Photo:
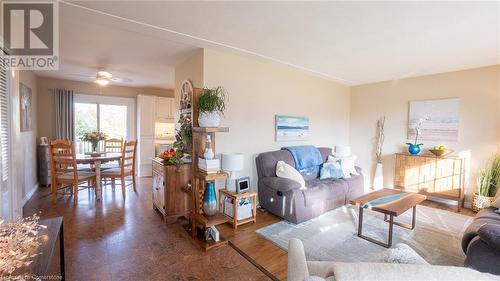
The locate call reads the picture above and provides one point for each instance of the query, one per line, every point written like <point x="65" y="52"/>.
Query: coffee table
<point x="391" y="203"/>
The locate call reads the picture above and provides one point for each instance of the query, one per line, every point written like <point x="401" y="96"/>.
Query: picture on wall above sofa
<point x="441" y="119"/>
<point x="292" y="128"/>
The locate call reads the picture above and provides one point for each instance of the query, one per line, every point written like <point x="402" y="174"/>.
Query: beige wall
<point x="27" y="164"/>
<point x="479" y="133"/>
<point x="191" y="69"/>
<point x="46" y="102"/>
<point x="257" y="91"/>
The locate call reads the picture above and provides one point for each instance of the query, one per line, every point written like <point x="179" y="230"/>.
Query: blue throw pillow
<point x="331" y="170"/>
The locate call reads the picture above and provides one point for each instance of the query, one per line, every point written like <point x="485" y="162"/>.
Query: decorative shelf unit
<point x="198" y="218"/>
<point x="427" y="174"/>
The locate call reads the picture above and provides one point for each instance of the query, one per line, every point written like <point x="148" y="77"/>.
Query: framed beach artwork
<point x="26" y="107"/>
<point x="440" y="119"/>
<point x="291" y="128"/>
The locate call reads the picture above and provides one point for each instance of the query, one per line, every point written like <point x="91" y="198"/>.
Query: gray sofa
<point x="481" y="242"/>
<point x="284" y="198"/>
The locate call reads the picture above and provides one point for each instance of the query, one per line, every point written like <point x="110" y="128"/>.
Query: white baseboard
<point x="30" y="194"/>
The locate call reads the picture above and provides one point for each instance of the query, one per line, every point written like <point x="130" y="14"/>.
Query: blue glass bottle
<point x="209" y="199"/>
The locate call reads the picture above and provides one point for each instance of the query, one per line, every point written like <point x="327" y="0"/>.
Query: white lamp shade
<point x="342" y="150"/>
<point x="232" y="162"/>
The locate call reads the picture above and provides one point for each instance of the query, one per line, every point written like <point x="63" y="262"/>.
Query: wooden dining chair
<point x="65" y="173"/>
<point x="126" y="168"/>
<point x="113" y="145"/>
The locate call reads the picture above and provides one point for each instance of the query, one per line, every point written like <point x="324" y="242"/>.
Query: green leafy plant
<point x="213" y="100"/>
<point x="489" y="178"/>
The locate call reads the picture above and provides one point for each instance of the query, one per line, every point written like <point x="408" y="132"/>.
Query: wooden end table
<point x="391" y="203"/>
<point x="237" y="197"/>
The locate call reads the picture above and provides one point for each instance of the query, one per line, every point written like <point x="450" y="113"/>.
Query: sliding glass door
<point x="112" y="115"/>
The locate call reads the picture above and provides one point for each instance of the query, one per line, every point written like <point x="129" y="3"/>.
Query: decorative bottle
<point x="209" y="200"/>
<point x="209" y="153"/>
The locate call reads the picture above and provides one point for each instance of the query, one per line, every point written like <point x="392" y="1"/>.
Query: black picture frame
<point x="242" y="184"/>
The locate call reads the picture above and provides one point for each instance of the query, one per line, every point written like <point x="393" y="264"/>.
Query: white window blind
<point x="4" y="120"/>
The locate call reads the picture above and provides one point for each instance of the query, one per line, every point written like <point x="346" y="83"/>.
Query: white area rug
<point x="333" y="235"/>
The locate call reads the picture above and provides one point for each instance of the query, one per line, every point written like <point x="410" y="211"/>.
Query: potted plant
<point x="211" y="105"/>
<point x="414" y="148"/>
<point x="488" y="182"/>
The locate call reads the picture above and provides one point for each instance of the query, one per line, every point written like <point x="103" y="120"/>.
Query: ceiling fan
<point x="103" y="78"/>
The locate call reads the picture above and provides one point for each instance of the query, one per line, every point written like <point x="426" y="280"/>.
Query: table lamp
<point x="232" y="163"/>
<point x="342" y="150"/>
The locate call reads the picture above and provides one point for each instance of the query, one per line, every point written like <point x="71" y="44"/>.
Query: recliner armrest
<point x="490" y="234"/>
<point x="280" y="184"/>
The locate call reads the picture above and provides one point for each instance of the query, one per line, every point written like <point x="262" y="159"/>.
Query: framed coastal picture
<point x="26" y="107"/>
<point x="440" y="119"/>
<point x="292" y="128"/>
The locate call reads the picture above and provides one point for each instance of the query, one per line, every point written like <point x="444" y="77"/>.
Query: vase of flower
<point x="209" y="200"/>
<point x="94" y="138"/>
<point x="414" y="148"/>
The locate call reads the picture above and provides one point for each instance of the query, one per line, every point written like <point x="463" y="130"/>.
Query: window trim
<point x="112" y="100"/>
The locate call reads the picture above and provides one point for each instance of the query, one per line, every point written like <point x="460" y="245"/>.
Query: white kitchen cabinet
<point x="164" y="109"/>
<point x="145" y="133"/>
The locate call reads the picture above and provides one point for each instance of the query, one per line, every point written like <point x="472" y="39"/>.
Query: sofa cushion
<point x="283" y="170"/>
<point x="281" y="184"/>
<point x="330" y="170"/>
<point x="347" y="164"/>
<point x="268" y="161"/>
<point x="322" y="190"/>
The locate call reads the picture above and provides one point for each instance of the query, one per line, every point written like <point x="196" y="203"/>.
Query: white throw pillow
<point x="283" y="170"/>
<point x="347" y="164"/>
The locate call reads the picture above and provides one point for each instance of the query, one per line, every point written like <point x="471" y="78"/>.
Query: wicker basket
<point x="480" y="202"/>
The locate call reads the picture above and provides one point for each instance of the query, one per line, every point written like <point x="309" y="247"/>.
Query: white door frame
<point x="113" y="100"/>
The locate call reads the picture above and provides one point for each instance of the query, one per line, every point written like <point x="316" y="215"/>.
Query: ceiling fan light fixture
<point x="104" y="74"/>
<point x="102" y="82"/>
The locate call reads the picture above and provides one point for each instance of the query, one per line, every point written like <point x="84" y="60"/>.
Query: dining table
<point x="95" y="160"/>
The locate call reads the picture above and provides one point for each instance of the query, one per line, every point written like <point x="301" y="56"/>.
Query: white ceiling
<point x="352" y="42"/>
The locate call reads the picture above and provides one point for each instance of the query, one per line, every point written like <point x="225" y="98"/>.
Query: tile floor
<point x="125" y="239"/>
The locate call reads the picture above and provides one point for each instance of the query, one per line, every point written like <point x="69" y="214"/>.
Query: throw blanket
<point x="307" y="158"/>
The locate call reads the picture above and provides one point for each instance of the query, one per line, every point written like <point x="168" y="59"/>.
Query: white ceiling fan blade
<point x="82" y="76"/>
<point x="121" y="80"/>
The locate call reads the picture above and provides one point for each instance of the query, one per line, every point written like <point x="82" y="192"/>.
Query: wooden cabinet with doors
<point x="441" y="177"/>
<point x="171" y="190"/>
<point x="164" y="109"/>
